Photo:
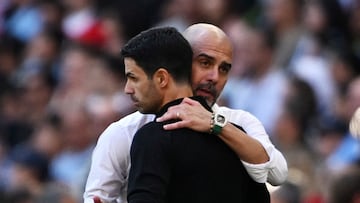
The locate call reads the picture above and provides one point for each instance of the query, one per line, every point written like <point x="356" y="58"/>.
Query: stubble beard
<point x="209" y="89"/>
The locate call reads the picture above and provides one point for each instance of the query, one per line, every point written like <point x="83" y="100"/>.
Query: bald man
<point x="182" y="165"/>
<point x="211" y="65"/>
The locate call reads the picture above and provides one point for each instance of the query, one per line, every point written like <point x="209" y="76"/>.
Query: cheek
<point x="147" y="91"/>
<point x="197" y="76"/>
<point x="141" y="87"/>
<point x="221" y="83"/>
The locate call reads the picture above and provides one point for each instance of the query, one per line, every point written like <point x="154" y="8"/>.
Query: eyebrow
<point x="223" y="63"/>
<point x="128" y="74"/>
<point x="206" y="56"/>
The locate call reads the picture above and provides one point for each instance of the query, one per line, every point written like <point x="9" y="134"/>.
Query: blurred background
<point x="296" y="68"/>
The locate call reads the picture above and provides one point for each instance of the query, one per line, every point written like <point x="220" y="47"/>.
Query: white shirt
<point x="110" y="166"/>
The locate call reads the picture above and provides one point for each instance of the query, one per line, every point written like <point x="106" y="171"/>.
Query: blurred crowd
<point x="296" y="67"/>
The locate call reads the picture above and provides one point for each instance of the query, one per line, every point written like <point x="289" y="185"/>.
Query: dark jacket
<point x="185" y="166"/>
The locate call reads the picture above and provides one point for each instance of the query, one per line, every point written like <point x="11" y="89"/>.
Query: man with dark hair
<point x="180" y="165"/>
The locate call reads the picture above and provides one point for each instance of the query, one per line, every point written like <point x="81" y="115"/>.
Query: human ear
<point x="161" y="77"/>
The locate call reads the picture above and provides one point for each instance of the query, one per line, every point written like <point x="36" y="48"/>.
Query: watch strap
<point x="216" y="130"/>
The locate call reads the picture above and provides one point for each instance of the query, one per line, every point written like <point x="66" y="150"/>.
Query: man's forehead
<point x="210" y="40"/>
<point x="206" y="36"/>
<point x="131" y="66"/>
<point x="211" y="51"/>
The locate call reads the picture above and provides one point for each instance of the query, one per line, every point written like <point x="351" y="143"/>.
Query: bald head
<point x="212" y="60"/>
<point x="203" y="34"/>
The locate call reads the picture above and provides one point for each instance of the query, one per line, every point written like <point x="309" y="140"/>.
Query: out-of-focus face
<point x="142" y="90"/>
<point x="213" y="10"/>
<point x="278" y="12"/>
<point x="314" y="18"/>
<point x="210" y="68"/>
<point x="239" y="33"/>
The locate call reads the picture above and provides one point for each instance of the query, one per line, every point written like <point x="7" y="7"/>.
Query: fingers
<point x="172" y="126"/>
<point x="169" y="115"/>
<point x="174" y="112"/>
<point x="190" y="101"/>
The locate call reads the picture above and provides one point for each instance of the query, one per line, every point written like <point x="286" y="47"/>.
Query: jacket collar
<point x="164" y="109"/>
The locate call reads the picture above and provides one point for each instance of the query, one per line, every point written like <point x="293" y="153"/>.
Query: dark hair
<point x="345" y="186"/>
<point x="161" y="48"/>
<point x="32" y="159"/>
<point x="302" y="104"/>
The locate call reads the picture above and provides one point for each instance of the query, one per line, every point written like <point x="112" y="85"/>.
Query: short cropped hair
<point x="162" y="47"/>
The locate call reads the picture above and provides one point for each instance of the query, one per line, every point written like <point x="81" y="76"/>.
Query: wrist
<point x="217" y="123"/>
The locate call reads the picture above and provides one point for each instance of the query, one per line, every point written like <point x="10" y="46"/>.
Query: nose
<point x="213" y="75"/>
<point x="128" y="89"/>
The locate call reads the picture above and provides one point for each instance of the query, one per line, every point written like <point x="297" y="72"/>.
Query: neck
<point x="176" y="92"/>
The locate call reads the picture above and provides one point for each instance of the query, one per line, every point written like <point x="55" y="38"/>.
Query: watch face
<point x="220" y="119"/>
